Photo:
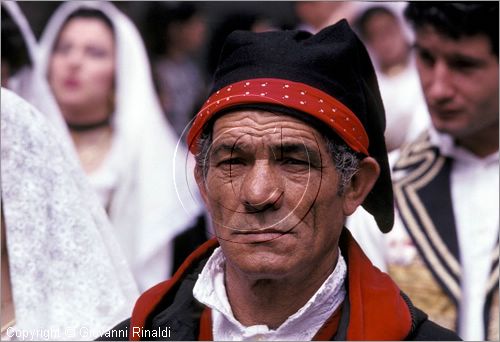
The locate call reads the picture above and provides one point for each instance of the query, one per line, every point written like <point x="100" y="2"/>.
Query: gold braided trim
<point x="425" y="292"/>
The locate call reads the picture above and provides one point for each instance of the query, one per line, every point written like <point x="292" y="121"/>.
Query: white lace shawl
<point x="156" y="197"/>
<point x="67" y="269"/>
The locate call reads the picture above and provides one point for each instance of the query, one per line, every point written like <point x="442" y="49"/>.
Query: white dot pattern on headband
<point x="299" y="96"/>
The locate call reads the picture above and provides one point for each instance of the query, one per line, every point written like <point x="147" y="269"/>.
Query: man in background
<point x="443" y="251"/>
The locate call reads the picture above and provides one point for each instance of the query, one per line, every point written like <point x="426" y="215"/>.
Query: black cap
<point x="333" y="61"/>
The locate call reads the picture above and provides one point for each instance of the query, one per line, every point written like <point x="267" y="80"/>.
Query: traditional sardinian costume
<point x="326" y="79"/>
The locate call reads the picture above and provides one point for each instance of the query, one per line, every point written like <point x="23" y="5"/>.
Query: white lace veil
<point x="67" y="270"/>
<point x="156" y="197"/>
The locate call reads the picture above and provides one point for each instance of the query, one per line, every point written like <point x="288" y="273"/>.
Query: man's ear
<point x="360" y="185"/>
<point x="200" y="180"/>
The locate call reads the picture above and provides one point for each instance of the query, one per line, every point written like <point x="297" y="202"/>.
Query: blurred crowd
<point x="182" y="41"/>
<point x="117" y="95"/>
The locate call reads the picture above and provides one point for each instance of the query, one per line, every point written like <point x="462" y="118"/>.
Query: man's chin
<point x="258" y="267"/>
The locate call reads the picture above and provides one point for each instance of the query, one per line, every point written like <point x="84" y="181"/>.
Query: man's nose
<point x="262" y="188"/>
<point x="440" y="87"/>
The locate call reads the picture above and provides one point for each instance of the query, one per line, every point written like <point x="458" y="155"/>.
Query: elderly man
<point x="288" y="144"/>
<point x="444" y="249"/>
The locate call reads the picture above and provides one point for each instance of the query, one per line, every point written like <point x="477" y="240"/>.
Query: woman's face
<point x="82" y="65"/>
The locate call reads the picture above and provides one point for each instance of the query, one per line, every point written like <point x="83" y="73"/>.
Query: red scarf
<point x="377" y="310"/>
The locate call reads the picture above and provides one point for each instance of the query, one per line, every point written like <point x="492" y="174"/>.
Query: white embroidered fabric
<point x="155" y="197"/>
<point x="301" y="326"/>
<point x="67" y="270"/>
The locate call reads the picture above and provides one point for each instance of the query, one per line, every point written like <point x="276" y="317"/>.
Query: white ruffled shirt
<point x="301" y="326"/>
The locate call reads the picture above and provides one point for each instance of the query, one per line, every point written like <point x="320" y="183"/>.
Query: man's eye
<point x="463" y="65"/>
<point x="425" y="57"/>
<point x="230" y="161"/>
<point x="293" y="161"/>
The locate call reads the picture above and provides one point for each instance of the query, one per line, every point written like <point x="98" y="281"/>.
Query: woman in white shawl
<point x="63" y="273"/>
<point x="131" y="155"/>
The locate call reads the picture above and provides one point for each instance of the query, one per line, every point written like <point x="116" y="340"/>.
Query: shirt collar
<point x="210" y="290"/>
<point x="447" y="147"/>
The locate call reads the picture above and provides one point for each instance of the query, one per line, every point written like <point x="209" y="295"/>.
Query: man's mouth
<point x="259" y="235"/>
<point x="446" y="112"/>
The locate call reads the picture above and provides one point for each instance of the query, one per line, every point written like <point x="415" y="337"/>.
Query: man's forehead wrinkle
<point x="275" y="132"/>
<point x="261" y="128"/>
<point x="251" y="131"/>
<point x="257" y="120"/>
<point x="274" y="141"/>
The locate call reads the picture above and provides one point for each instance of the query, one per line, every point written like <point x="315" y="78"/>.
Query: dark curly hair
<point x="457" y="19"/>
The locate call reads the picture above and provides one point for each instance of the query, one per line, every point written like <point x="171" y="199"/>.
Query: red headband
<point x="289" y="94"/>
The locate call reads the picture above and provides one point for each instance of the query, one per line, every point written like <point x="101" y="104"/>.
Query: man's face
<point x="460" y="82"/>
<point x="271" y="189"/>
